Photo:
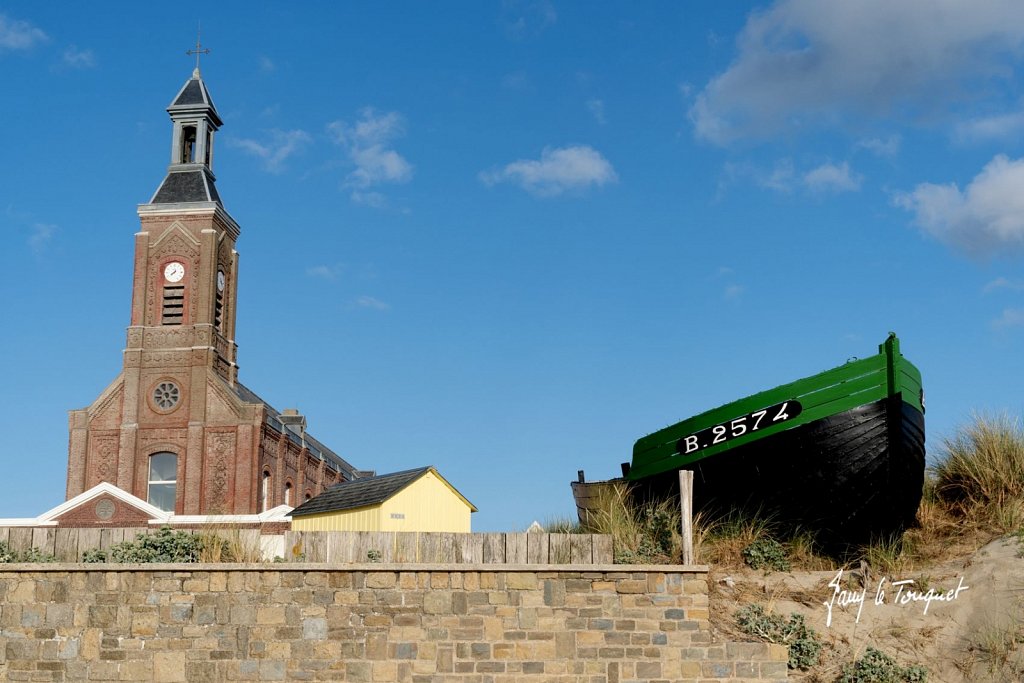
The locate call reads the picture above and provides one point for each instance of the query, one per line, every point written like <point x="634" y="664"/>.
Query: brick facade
<point x="414" y="624"/>
<point x="178" y="391"/>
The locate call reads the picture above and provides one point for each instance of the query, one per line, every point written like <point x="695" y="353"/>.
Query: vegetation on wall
<point x="30" y="555"/>
<point x="167" y="545"/>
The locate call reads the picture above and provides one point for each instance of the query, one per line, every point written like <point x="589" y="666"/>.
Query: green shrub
<point x="804" y="643"/>
<point x="878" y="667"/>
<point x="163" y="546"/>
<point x="32" y="555"/>
<point x="94" y="555"/>
<point x="766" y="553"/>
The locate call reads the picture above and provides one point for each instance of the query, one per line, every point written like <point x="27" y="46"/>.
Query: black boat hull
<point x="847" y="478"/>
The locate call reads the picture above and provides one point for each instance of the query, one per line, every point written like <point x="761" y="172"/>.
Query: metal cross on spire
<point x="198" y="51"/>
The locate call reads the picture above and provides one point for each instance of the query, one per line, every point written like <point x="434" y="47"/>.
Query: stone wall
<point x="374" y="622"/>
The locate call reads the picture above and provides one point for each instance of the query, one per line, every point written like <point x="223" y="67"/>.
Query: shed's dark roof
<point x="314" y="446"/>
<point x="186" y="186"/>
<point x="360" y="492"/>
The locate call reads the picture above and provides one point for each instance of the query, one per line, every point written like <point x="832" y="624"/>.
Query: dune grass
<point x="980" y="473"/>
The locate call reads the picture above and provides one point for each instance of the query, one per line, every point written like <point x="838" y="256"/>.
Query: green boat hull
<point x="847" y="478"/>
<point x="840" y="453"/>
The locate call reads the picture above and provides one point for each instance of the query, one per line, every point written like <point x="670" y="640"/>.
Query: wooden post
<point x="686" y="513"/>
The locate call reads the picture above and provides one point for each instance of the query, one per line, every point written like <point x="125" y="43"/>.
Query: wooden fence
<point x="448" y="548"/>
<point x="69" y="544"/>
<point x="340" y="547"/>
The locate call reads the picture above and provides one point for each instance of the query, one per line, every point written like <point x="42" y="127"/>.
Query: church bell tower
<point x="185" y="259"/>
<point x="156" y="432"/>
<point x="176" y="429"/>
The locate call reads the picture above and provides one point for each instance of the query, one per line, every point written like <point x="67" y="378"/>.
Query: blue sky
<point x="508" y="239"/>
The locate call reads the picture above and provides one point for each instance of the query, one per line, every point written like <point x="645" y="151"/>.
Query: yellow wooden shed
<point x="411" y="500"/>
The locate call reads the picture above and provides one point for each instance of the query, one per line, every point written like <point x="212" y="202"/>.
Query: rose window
<point x="166" y="395"/>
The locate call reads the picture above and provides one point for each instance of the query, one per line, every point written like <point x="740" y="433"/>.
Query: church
<point x="176" y="429"/>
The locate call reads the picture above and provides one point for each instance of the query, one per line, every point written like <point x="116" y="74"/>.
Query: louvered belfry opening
<point x="174" y="305"/>
<point x="218" y="311"/>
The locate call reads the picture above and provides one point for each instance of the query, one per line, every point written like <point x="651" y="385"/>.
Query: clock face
<point x="220" y="280"/>
<point x="174" y="271"/>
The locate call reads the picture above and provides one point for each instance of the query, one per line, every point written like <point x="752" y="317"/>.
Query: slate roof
<point x="186" y="186"/>
<point x="194" y="96"/>
<point x="360" y="492"/>
<point x="315" y="448"/>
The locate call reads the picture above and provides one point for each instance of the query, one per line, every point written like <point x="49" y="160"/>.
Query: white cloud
<point x="78" y="59"/>
<point x="1003" y="283"/>
<point x="821" y="62"/>
<point x="1011" y="317"/>
<point x="516" y="80"/>
<point x="527" y="18"/>
<point x="784" y="177"/>
<point x="596" y="108"/>
<point x="780" y="178"/>
<point x="832" y="178"/>
<point x="368" y="145"/>
<point x="373" y="199"/>
<point x="41" y="236"/>
<point x="323" y="272"/>
<point x="889" y="147"/>
<point x="19" y="35"/>
<point x="267" y="64"/>
<point x="274" y="152"/>
<point x="732" y="292"/>
<point x="558" y="170"/>
<point x="985" y="218"/>
<point x="986" y="128"/>
<point x="372" y="302"/>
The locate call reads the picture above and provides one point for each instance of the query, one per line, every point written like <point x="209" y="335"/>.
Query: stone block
<point x="169" y="667"/>
<point x="747" y="670"/>
<point x="314" y="628"/>
<point x="201" y="672"/>
<point x="521" y="581"/>
<point x="746" y="650"/>
<point x="438" y="602"/>
<point x="270" y="615"/>
<point x="272" y="670"/>
<point x="378" y="580"/>
<point x="631" y="586"/>
<point x="358" y="672"/>
<point x="384" y="671"/>
<point x="774" y="669"/>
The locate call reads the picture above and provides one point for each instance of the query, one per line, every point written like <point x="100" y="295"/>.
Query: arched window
<point x="163" y="480"/>
<point x="266" y="491"/>
<point x="287" y="493"/>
